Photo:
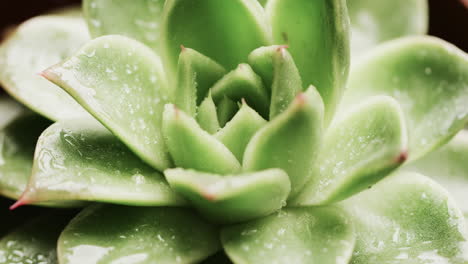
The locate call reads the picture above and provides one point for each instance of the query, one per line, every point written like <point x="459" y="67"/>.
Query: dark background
<point x="448" y="18"/>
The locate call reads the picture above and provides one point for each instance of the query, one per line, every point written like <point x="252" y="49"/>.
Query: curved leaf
<point x="81" y="160"/>
<point x="17" y="142"/>
<point x="290" y="141"/>
<point x="449" y="167"/>
<point x="137" y="19"/>
<point x="34" y="242"/>
<point x="226" y="110"/>
<point x="195" y="76"/>
<point x="191" y="147"/>
<point x="317" y="33"/>
<point x="34" y="46"/>
<point x="428" y="77"/>
<point x="100" y="235"/>
<point x="207" y="117"/>
<point x="121" y="82"/>
<point x="232" y="198"/>
<point x="236" y="134"/>
<point x="374" y="22"/>
<point x="358" y="150"/>
<point x="407" y="218"/>
<point x="293" y="235"/>
<point x="227" y="31"/>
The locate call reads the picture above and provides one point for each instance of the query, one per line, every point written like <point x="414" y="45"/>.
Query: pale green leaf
<point x="207" y="117"/>
<point x="407" y="218"/>
<point x="358" y="150"/>
<point x="122" y="83"/>
<point x="232" y="198"/>
<point x="377" y="21"/>
<point x="290" y="141"/>
<point x="226" y="110"/>
<point x="317" y="33"/>
<point x="122" y="235"/>
<point x="32" y="47"/>
<point x="428" y="77"/>
<point x="82" y="161"/>
<point x="308" y="235"/>
<point x="191" y="147"/>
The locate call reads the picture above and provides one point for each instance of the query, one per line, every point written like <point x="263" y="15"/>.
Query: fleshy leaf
<point x="226" y="31"/>
<point x="317" y="33"/>
<point x="17" y="142"/>
<point x="116" y="234"/>
<point x="406" y="218"/>
<point x="140" y="20"/>
<point x="232" y="198"/>
<point x="207" y="117"/>
<point x="290" y="141"/>
<point x="226" y="110"/>
<point x="449" y="167"/>
<point x="243" y="83"/>
<point x="308" y="235"/>
<point x="82" y="161"/>
<point x="34" y="46"/>
<point x="35" y="242"/>
<point x="358" y="150"/>
<point x="195" y="76"/>
<point x="191" y="147"/>
<point x="428" y="77"/>
<point x="122" y="83"/>
<point x="374" y="22"/>
<point x="286" y="83"/>
<point x="236" y="134"/>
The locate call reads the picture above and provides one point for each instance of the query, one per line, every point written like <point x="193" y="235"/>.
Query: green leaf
<point x="34" y="242"/>
<point x="17" y="142"/>
<point x="358" y="150"/>
<point x="195" y="76"/>
<point x="293" y="235"/>
<point x="449" y="167"/>
<point x="232" y="198"/>
<point x="34" y="46"/>
<point x="116" y="234"/>
<point x="82" y="161"/>
<point x="236" y="134"/>
<point x="191" y="147"/>
<point x="207" y="117"/>
<point x="428" y="77"/>
<point x="407" y="218"/>
<point x="122" y="83"/>
<point x="374" y="22"/>
<point x="290" y="141"/>
<point x="286" y="83"/>
<point x="261" y="60"/>
<point x="226" y="31"/>
<point x="9" y="110"/>
<point x="317" y="33"/>
<point x="243" y="83"/>
<point x="226" y="110"/>
<point x="140" y="19"/>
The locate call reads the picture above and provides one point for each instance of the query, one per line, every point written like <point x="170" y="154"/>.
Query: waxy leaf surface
<point x="226" y="31"/>
<point x="290" y="141"/>
<point x="137" y="19"/>
<point x="374" y="22"/>
<point x="448" y="166"/>
<point x="428" y="77"/>
<point x="35" y="45"/>
<point x="318" y="39"/>
<point x="407" y="218"/>
<point x="232" y="198"/>
<point x="207" y="116"/>
<point x="191" y="147"/>
<point x="358" y="150"/>
<point x="121" y="82"/>
<point x="121" y="235"/>
<point x="308" y="235"/>
<point x="81" y="160"/>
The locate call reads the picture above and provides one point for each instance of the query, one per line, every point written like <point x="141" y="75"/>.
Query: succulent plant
<point x="227" y="131"/>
